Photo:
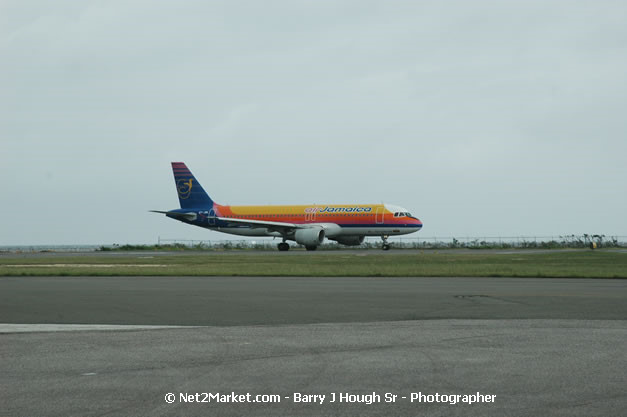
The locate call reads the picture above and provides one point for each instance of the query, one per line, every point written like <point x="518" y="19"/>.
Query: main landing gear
<point x="284" y="247"/>
<point x="386" y="245"/>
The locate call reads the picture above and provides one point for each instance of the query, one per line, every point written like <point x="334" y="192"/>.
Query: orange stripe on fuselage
<point x="315" y="213"/>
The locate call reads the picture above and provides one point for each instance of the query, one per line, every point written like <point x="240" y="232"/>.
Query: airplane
<point x="308" y="225"/>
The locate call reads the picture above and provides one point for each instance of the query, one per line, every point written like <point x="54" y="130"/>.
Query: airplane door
<point x="212" y="217"/>
<point x="310" y="214"/>
<point x="379" y="215"/>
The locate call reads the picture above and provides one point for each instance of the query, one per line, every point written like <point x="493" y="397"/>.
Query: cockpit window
<point x="402" y="214"/>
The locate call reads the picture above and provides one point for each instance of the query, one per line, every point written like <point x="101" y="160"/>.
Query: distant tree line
<point x="562" y="242"/>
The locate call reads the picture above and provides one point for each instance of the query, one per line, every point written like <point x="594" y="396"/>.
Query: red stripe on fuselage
<point x="368" y="219"/>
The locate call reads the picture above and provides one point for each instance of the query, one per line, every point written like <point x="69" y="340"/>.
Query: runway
<point x="237" y="301"/>
<point x="540" y="346"/>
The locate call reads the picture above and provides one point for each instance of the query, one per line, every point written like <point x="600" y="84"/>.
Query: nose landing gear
<point x="386" y="245"/>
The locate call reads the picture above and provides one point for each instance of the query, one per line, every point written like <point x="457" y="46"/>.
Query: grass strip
<point x="589" y="264"/>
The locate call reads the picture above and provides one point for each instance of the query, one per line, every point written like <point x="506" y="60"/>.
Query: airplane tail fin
<point x="190" y="192"/>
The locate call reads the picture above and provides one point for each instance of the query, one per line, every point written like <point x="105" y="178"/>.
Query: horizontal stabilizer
<point x="177" y="215"/>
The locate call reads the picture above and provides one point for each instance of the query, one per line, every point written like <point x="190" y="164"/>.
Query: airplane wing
<point x="281" y="227"/>
<point x="331" y="229"/>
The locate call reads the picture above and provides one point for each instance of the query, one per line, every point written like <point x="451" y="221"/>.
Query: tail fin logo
<point x="184" y="188"/>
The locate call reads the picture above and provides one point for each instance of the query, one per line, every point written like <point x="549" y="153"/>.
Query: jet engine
<point x="350" y="240"/>
<point x="309" y="237"/>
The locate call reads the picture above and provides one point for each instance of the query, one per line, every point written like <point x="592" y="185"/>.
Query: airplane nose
<point x="418" y="223"/>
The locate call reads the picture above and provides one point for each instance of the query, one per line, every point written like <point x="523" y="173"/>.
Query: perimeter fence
<point x="429" y="242"/>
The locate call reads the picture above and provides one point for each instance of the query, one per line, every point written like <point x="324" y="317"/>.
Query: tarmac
<point x="94" y="346"/>
<point x="241" y="301"/>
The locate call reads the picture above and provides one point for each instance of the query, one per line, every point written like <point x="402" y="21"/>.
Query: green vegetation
<point x="518" y="263"/>
<point x="561" y="242"/>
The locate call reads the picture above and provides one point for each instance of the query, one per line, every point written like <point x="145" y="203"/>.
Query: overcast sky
<point x="482" y="118"/>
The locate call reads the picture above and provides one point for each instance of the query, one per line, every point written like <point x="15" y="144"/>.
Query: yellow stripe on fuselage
<point x="319" y="209"/>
